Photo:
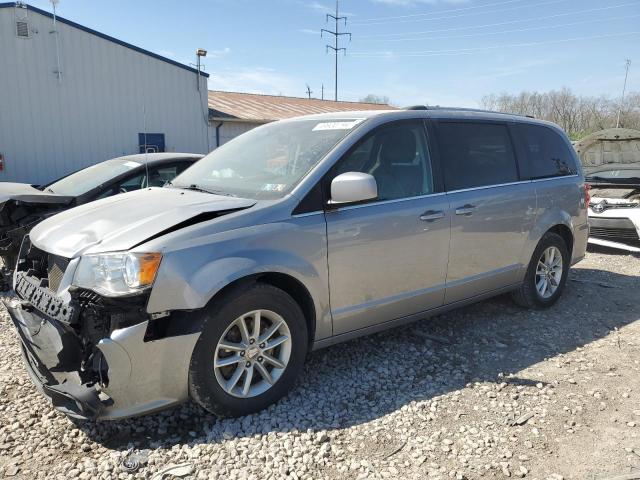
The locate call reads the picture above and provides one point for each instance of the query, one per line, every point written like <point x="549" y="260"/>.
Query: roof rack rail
<point x="459" y="109"/>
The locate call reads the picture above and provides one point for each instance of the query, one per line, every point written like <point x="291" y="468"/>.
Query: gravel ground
<point x="488" y="391"/>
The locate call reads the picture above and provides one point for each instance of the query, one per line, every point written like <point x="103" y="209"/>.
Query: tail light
<point x="587" y="194"/>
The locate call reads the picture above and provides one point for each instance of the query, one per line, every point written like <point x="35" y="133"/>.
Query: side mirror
<point x="353" y="187"/>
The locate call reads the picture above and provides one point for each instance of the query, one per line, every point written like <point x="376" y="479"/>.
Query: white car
<point x="614" y="211"/>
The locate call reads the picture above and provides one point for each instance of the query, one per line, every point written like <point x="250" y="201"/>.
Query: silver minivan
<point x="292" y="237"/>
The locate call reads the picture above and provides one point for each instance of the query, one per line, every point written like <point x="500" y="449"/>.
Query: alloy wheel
<point x="252" y="353"/>
<point x="549" y="272"/>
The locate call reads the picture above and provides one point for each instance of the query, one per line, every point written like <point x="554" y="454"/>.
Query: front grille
<point x="624" y="235"/>
<point x="55" y="270"/>
<point x="46" y="267"/>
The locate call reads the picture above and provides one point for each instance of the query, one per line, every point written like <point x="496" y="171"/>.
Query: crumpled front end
<point x="95" y="357"/>
<point x="17" y="218"/>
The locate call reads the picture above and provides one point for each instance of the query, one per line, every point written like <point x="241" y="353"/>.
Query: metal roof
<point x="101" y="35"/>
<point x="252" y="107"/>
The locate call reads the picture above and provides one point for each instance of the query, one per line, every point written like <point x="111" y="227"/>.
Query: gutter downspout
<point x="218" y="133"/>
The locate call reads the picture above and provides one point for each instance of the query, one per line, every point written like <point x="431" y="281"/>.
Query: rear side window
<point x="547" y="152"/>
<point x="476" y="154"/>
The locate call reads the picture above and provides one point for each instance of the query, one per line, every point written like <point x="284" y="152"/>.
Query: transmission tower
<point x="336" y="36"/>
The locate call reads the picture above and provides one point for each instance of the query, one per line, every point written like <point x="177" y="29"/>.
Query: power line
<point x="498" y="24"/>
<point x="336" y="35"/>
<point x="441" y="11"/>
<point x="471" y="51"/>
<point x="461" y="15"/>
<point x="516" y="30"/>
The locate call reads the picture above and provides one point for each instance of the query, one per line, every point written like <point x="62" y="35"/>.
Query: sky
<point x="436" y="52"/>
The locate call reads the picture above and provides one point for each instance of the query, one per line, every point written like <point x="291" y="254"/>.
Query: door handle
<point x="466" y="210"/>
<point x="432" y="215"/>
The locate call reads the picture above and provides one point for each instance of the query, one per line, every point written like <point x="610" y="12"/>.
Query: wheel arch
<point x="566" y="234"/>
<point x="285" y="282"/>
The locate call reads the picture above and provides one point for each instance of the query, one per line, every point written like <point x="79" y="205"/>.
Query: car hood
<point x="27" y="193"/>
<point x="126" y="220"/>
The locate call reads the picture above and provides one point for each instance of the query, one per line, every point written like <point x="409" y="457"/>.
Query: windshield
<point x="91" y="177"/>
<point x="620" y="175"/>
<point x="266" y="162"/>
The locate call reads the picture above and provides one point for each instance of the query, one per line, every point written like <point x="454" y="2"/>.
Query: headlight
<point x="119" y="273"/>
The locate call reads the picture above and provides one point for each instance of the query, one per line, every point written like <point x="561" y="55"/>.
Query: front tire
<point x="546" y="275"/>
<point x="252" y="348"/>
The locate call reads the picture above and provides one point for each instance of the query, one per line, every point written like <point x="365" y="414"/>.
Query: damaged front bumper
<point x="134" y="370"/>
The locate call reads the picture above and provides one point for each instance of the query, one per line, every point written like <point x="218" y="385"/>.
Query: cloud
<point x="309" y="31"/>
<point x="219" y="53"/>
<point x="326" y="8"/>
<point x="255" y="80"/>
<point x="409" y="3"/>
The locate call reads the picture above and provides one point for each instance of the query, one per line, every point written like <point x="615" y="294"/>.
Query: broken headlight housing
<point x="119" y="273"/>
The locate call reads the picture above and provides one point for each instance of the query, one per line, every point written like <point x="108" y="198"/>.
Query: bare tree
<point x="373" y="98"/>
<point x="577" y="115"/>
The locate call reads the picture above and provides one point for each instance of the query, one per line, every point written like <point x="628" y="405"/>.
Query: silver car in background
<point x="292" y="237"/>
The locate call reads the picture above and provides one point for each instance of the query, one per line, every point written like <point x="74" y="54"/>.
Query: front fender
<point x="190" y="275"/>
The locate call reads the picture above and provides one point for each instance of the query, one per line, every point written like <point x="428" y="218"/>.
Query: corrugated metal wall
<point x="50" y="128"/>
<point x="229" y="130"/>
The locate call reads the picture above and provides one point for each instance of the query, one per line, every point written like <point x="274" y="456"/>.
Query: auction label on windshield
<point x="337" y="125"/>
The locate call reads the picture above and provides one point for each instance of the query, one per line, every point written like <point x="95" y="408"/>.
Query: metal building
<point x="71" y="97"/>
<point x="233" y="113"/>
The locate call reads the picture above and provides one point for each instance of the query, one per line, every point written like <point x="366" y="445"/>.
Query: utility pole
<point x="322" y="92"/>
<point x="336" y="35"/>
<point x="309" y="91"/>
<point x="624" y="88"/>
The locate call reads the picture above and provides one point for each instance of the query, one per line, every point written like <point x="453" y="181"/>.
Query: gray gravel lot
<point x="489" y="391"/>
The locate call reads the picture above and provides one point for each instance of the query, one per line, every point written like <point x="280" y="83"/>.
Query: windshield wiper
<point x="198" y="188"/>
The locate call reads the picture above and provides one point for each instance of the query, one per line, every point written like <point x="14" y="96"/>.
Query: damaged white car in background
<point x="614" y="211"/>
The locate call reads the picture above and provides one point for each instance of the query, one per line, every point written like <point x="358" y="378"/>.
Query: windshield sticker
<point x="131" y="164"/>
<point x="274" y="187"/>
<point x="337" y="125"/>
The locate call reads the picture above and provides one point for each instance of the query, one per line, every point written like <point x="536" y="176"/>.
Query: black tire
<point x="203" y="385"/>
<point x="527" y="294"/>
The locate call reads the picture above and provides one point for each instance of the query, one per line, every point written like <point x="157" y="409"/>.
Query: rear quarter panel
<point x="560" y="201"/>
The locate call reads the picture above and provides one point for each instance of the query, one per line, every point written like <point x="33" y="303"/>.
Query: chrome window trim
<point x="385" y="202"/>
<point x="438" y="194"/>
<point x="574" y="175"/>
<point x="484" y="187"/>
<point x="307" y="214"/>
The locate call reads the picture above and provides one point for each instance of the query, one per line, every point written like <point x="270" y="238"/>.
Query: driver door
<point x="388" y="257"/>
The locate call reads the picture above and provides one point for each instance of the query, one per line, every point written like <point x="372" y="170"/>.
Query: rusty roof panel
<point x="267" y="108"/>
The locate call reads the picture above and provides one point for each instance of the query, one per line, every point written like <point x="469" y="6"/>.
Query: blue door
<point x="151" y="142"/>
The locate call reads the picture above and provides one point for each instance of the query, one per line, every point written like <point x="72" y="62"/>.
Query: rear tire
<point x="541" y="272"/>
<point x="230" y="350"/>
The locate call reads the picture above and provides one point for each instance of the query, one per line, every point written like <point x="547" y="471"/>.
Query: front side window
<point x="547" y="153"/>
<point x="266" y="162"/>
<point x="476" y="154"/>
<point x="397" y="156"/>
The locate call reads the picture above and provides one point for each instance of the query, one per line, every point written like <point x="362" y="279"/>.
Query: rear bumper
<point x="140" y="377"/>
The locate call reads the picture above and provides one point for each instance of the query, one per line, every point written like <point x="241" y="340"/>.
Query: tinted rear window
<point x="476" y="154"/>
<point x="547" y="153"/>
